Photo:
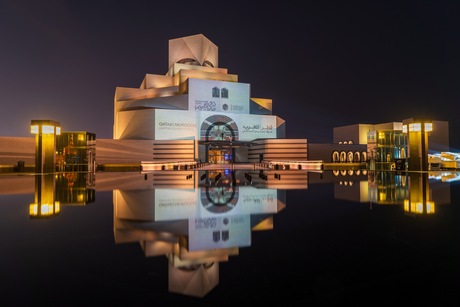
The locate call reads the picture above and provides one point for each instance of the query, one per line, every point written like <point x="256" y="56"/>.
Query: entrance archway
<point x="219" y="133"/>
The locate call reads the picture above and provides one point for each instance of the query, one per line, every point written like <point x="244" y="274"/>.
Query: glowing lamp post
<point x="45" y="144"/>
<point x="417" y="131"/>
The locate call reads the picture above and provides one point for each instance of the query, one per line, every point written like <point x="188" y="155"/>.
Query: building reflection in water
<point x="198" y="225"/>
<point x="418" y="192"/>
<point x="198" y="219"/>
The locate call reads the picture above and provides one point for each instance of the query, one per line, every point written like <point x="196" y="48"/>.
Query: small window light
<point x="46" y="129"/>
<point x="34" y="129"/>
<point x="417" y="127"/>
<point x="428" y="127"/>
<point x="404" y="128"/>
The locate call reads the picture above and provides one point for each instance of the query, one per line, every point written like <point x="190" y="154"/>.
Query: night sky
<point x="327" y="64"/>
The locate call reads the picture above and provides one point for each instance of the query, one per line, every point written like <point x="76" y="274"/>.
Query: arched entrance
<point x="219" y="134"/>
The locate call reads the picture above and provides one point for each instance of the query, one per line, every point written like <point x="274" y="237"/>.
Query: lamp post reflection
<point x="418" y="192"/>
<point x="45" y="204"/>
<point x="54" y="190"/>
<point x="419" y="200"/>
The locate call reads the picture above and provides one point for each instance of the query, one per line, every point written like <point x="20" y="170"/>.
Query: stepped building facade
<point x="198" y="111"/>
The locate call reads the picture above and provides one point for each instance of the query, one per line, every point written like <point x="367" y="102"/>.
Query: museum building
<point x="200" y="112"/>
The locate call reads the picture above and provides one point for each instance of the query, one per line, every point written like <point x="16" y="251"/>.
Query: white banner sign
<point x="218" y="96"/>
<point x="174" y="124"/>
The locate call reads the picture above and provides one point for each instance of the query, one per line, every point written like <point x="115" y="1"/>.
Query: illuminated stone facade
<point x="198" y="111"/>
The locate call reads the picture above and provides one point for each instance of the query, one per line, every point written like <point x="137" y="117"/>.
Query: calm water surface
<point x="227" y="237"/>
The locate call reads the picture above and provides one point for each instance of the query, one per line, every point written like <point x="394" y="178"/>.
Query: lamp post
<point x="45" y="144"/>
<point x="417" y="131"/>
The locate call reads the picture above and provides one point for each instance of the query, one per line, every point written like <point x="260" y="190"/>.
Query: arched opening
<point x="350" y="156"/>
<point x="335" y="156"/>
<point x="343" y="156"/>
<point x="363" y="156"/>
<point x="357" y="157"/>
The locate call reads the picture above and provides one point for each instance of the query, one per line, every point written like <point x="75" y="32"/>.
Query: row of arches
<point x="346" y="142"/>
<point x="349" y="156"/>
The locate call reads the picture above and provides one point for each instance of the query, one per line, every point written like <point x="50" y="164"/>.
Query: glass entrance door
<point x="221" y="155"/>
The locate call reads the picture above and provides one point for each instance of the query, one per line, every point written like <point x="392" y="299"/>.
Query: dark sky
<point x="326" y="64"/>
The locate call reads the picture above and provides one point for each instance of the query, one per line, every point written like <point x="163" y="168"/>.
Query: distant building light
<point x="46" y="129"/>
<point x="430" y="207"/>
<point x="44" y="210"/>
<point x="404" y="128"/>
<point x="417" y="127"/>
<point x="33" y="209"/>
<point x="34" y="129"/>
<point x="414" y="127"/>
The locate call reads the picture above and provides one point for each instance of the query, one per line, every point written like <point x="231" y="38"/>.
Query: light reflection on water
<point x="313" y="236"/>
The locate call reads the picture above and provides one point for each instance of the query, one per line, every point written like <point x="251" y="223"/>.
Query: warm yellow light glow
<point x="34" y="129"/>
<point x="381" y="135"/>
<point x="46" y="129"/>
<point x="416" y="207"/>
<point x="58" y="130"/>
<point x="416" y="127"/>
<point x="33" y="209"/>
<point x="81" y="137"/>
<point x="428" y="127"/>
<point x="404" y="128"/>
<point x="80" y="197"/>
<point x="406" y="205"/>
<point x="430" y="207"/>
<point x="46" y="209"/>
